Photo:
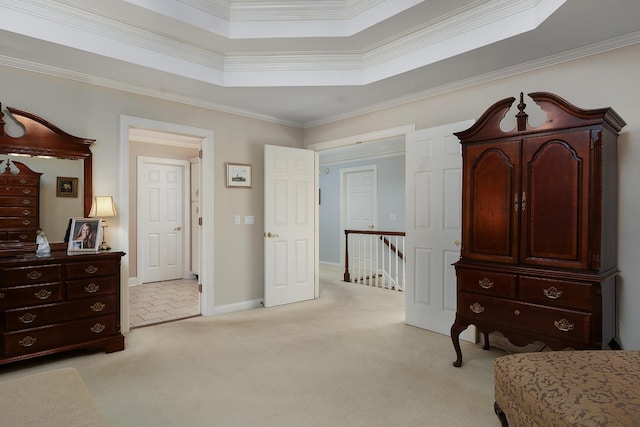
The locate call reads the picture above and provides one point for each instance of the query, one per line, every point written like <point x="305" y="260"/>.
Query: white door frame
<point x="362" y="138"/>
<point x="206" y="207"/>
<point x="186" y="213"/>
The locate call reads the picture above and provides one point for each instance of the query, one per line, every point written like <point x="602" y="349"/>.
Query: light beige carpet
<point x="345" y="359"/>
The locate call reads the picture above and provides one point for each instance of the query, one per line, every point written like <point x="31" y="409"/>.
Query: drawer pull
<point x="552" y="293"/>
<point x="92" y="269"/>
<point x="97" y="307"/>
<point x="26" y="202"/>
<point x="26" y="222"/>
<point x="1" y="295"/>
<point x="485" y="283"/>
<point x="26" y="191"/>
<point x="563" y="325"/>
<point x="26" y="212"/>
<point x="516" y="312"/>
<point x="27" y="341"/>
<point x="27" y="318"/>
<point x="91" y="288"/>
<point x="97" y="328"/>
<point x="43" y="294"/>
<point x="34" y="274"/>
<point x="23" y="181"/>
<point x="23" y="237"/>
<point x="476" y="308"/>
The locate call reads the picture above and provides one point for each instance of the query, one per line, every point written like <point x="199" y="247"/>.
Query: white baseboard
<point x="240" y="306"/>
<point x="133" y="281"/>
<point x="333" y="265"/>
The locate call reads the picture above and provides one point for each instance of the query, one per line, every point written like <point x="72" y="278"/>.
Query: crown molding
<point x="279" y="19"/>
<point x="70" y="24"/>
<point x="616" y="43"/>
<point x="586" y="51"/>
<point x="136" y="89"/>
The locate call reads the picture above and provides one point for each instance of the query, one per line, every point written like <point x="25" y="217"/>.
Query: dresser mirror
<point x="32" y="141"/>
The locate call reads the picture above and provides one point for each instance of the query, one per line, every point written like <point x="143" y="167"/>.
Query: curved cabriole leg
<point x="501" y="416"/>
<point x="456" y="329"/>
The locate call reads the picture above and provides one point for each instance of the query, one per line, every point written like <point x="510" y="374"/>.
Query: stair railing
<point x="375" y="258"/>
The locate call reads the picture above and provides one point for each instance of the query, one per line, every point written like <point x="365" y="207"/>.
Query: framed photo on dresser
<point x="85" y="235"/>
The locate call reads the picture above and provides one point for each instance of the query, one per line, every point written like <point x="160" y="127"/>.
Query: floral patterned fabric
<point x="569" y="388"/>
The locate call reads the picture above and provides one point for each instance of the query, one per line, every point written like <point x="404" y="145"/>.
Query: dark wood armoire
<point x="539" y="226"/>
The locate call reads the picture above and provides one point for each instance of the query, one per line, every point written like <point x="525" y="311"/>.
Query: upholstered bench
<point x="57" y="398"/>
<point x="568" y="388"/>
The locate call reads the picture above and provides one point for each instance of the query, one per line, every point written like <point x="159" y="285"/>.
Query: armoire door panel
<point x="555" y="206"/>
<point x="490" y="211"/>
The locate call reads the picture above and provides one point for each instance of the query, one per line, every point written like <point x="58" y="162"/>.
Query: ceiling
<point x="303" y="62"/>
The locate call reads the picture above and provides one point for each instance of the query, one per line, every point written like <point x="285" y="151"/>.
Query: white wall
<point x="605" y="80"/>
<point x="94" y="112"/>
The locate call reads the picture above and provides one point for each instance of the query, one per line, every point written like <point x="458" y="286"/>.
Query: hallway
<point x="159" y="302"/>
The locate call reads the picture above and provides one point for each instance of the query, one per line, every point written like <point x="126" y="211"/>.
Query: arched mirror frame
<point x="41" y="138"/>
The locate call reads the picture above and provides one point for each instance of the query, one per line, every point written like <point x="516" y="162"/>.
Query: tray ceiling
<point x="302" y="62"/>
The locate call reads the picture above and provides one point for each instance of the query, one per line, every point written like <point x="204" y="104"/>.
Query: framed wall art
<point x="238" y="175"/>
<point x="66" y="187"/>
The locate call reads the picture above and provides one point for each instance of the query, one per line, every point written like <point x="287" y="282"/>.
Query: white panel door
<point x="289" y="225"/>
<point x="359" y="201"/>
<point x="433" y="226"/>
<point x="160" y="219"/>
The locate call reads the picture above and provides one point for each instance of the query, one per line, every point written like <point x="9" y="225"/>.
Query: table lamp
<point x="103" y="207"/>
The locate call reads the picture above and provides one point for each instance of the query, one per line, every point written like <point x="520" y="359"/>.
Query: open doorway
<point x="142" y="138"/>
<point x="166" y="289"/>
<point x="361" y="187"/>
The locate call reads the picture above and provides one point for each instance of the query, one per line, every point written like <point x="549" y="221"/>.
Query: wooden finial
<point x="522" y="116"/>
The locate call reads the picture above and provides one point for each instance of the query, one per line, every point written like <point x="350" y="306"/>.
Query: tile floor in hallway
<point x="158" y="302"/>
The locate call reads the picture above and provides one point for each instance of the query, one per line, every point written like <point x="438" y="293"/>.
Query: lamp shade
<point x="103" y="207"/>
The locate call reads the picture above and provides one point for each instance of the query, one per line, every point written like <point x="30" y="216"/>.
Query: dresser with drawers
<point x="19" y="202"/>
<point x="59" y="302"/>
<point x="539" y="226"/>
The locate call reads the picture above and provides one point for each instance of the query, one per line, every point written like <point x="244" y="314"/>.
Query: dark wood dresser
<point x="59" y="302"/>
<point x="539" y="234"/>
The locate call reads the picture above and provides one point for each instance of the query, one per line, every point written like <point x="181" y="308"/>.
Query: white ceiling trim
<point x="47" y="70"/>
<point x="68" y="26"/>
<point x="456" y="33"/>
<point x="612" y="44"/>
<point x="548" y="61"/>
<point x="277" y="19"/>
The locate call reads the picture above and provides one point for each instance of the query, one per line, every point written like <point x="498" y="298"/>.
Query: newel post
<point x="347" y="276"/>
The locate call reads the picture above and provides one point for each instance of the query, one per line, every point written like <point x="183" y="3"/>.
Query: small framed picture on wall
<point x="238" y="175"/>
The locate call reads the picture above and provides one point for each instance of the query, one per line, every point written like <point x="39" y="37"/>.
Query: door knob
<point x="270" y="234"/>
<point x="178" y="228"/>
<point x="457" y="242"/>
